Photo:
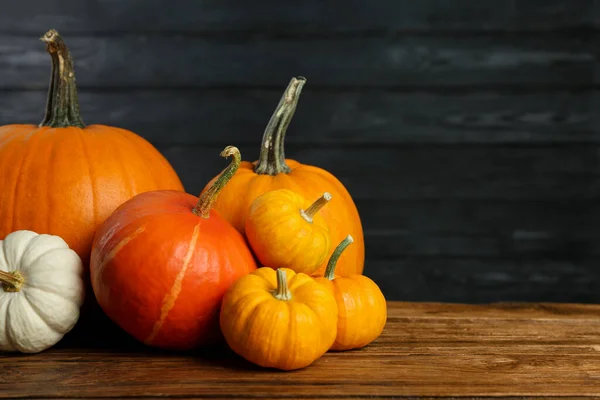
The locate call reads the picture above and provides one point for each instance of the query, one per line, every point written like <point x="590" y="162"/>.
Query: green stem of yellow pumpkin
<point x="282" y="292"/>
<point x="272" y="154"/>
<point x="310" y="212"/>
<point x="62" y="107"/>
<point x="208" y="198"/>
<point x="11" y="281"/>
<point x="330" y="270"/>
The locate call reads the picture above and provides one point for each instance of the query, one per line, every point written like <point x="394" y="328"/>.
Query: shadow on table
<point x="95" y="332"/>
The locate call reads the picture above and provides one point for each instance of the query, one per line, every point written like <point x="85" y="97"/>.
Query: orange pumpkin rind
<point x="279" y="319"/>
<point x="286" y="231"/>
<point x="362" y="308"/>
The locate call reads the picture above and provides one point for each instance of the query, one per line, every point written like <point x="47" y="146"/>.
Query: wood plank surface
<point x="400" y="62"/>
<point x="268" y="16"/>
<point x="426" y="349"/>
<point x="324" y="117"/>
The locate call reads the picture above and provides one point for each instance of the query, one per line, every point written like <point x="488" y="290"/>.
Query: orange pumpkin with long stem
<point x="286" y="231"/>
<point x="64" y="178"/>
<point x="162" y="262"/>
<point x="274" y="171"/>
<point x="362" y="308"/>
<point x="279" y="319"/>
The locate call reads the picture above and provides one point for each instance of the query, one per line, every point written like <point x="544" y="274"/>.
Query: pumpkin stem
<point x="330" y="270"/>
<point x="208" y="198"/>
<point x="11" y="281"/>
<point x="62" y="106"/>
<point x="272" y="155"/>
<point x="310" y="212"/>
<point x="282" y="292"/>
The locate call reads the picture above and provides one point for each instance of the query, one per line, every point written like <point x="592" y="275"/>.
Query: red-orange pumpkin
<point x="273" y="171"/>
<point x="63" y="178"/>
<point x="162" y="262"/>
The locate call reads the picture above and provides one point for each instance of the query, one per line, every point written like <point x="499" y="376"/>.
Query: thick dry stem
<point x="62" y="107"/>
<point x="11" y="281"/>
<point x="310" y="212"/>
<point x="335" y="256"/>
<point x="282" y="292"/>
<point x="272" y="154"/>
<point x="208" y="198"/>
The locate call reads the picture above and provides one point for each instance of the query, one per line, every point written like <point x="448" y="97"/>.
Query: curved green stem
<point x="208" y="198"/>
<point x="272" y="154"/>
<point x="11" y="281"/>
<point x="310" y="212"/>
<point x="62" y="106"/>
<point x="330" y="270"/>
<point x="282" y="292"/>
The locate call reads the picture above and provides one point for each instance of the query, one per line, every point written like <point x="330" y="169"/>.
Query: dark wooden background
<point x="466" y="130"/>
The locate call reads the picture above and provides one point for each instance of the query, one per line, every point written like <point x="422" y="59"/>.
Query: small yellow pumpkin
<point x="286" y="231"/>
<point x="279" y="319"/>
<point x="362" y="308"/>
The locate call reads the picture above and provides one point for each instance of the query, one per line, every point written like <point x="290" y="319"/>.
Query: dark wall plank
<point x="486" y="280"/>
<point x="465" y="130"/>
<point x="210" y="117"/>
<point x="515" y="220"/>
<point x="564" y="246"/>
<point x="393" y="245"/>
<point x="556" y="229"/>
<point x="402" y="62"/>
<point x="420" y="172"/>
<point x="271" y="16"/>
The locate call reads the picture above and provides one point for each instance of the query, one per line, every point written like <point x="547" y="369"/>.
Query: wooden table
<point x="441" y="350"/>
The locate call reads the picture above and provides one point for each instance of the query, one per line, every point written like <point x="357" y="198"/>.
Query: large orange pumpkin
<point x="162" y="262"/>
<point x="64" y="178"/>
<point x="273" y="171"/>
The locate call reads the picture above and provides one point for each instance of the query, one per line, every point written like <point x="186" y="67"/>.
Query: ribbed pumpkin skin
<point x="284" y="334"/>
<point x="67" y="181"/>
<point x="362" y="310"/>
<point x="160" y="271"/>
<point x="279" y="235"/>
<point x="311" y="182"/>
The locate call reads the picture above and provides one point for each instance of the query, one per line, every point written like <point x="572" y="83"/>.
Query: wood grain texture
<point x="268" y="16"/>
<point x="493" y="227"/>
<point x="466" y="131"/>
<point x="387" y="61"/>
<point x="427" y="172"/>
<point x="483" y="280"/>
<point x="349" y="117"/>
<point x="443" y="350"/>
<point x="514" y="220"/>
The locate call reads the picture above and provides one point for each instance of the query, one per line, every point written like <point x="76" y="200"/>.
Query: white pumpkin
<point x="41" y="291"/>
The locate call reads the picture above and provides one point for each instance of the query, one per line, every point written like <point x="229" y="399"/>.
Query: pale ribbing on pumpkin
<point x="41" y="291"/>
<point x="273" y="171"/>
<point x="162" y="262"/>
<point x="64" y="178"/>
